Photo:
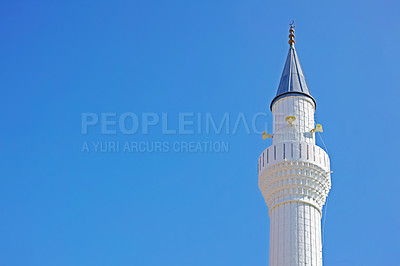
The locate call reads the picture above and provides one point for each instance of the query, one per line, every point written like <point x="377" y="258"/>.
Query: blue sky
<point x="60" y="206"/>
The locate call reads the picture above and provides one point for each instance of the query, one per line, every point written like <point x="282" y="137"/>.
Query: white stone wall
<point x="288" y="173"/>
<point x="295" y="235"/>
<point x="294" y="178"/>
<point x="302" y="108"/>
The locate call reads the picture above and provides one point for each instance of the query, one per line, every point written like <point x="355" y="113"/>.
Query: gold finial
<point x="291" y="35"/>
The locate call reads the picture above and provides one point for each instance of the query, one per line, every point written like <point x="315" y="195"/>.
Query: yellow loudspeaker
<point x="290" y="119"/>
<point x="318" y="128"/>
<point x="265" y="135"/>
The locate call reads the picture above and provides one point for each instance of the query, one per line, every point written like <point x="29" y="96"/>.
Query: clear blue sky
<point x="59" y="206"/>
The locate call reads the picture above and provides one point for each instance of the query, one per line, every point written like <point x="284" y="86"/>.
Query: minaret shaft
<point x="300" y="107"/>
<point x="294" y="173"/>
<point x="295" y="237"/>
<point x="294" y="178"/>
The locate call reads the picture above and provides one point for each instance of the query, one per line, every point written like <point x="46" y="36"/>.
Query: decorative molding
<point x="294" y="174"/>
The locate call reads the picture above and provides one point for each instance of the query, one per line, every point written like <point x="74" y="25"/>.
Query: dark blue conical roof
<point x="292" y="80"/>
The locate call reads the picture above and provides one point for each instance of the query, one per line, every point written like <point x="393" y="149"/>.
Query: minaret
<point x="294" y="173"/>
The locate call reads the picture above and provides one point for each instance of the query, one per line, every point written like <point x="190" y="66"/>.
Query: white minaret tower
<point x="294" y="173"/>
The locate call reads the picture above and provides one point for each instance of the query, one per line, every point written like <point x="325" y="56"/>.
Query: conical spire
<point x="292" y="80"/>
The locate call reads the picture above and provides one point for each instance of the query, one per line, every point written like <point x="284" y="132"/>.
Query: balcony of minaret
<point x="290" y="171"/>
